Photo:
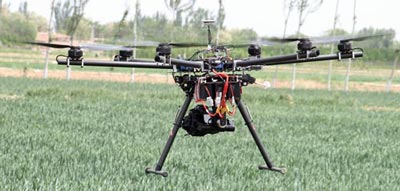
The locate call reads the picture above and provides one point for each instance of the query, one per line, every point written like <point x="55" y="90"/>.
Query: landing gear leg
<point x="268" y="163"/>
<point x="177" y="125"/>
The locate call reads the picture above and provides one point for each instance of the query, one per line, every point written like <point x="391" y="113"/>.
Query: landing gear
<point x="189" y="88"/>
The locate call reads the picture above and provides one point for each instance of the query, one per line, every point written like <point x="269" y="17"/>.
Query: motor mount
<point x="304" y="45"/>
<point x="75" y="53"/>
<point x="345" y="47"/>
<point x="254" y="50"/>
<point x="123" y="55"/>
<point x="164" y="50"/>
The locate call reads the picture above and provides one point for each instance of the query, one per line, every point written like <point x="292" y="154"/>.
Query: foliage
<point x="23" y="8"/>
<point x="304" y="8"/>
<point x="62" y="11"/>
<point x="84" y="30"/>
<point x="386" y="40"/>
<point x="16" y="27"/>
<point x="337" y="32"/>
<point x="68" y="15"/>
<point x="79" y="135"/>
<point x="177" y="8"/>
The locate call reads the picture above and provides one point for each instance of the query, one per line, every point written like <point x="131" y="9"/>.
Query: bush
<point x="16" y="28"/>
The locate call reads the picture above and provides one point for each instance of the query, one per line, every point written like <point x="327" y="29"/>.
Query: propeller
<point x="359" y="38"/>
<point x="286" y="40"/>
<point x="52" y="45"/>
<point x="85" y="46"/>
<point x="174" y="44"/>
<point x="325" y="40"/>
<point x="74" y="52"/>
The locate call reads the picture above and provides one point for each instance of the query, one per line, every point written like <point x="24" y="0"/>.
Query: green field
<point x="86" y="135"/>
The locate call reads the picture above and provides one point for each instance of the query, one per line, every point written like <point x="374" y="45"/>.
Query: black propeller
<point x="174" y="44"/>
<point x="286" y="40"/>
<point x="325" y="40"/>
<point x="360" y="38"/>
<point x="86" y="46"/>
<point x="52" y="45"/>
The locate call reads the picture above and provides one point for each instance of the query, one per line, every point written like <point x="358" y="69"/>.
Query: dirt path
<point x="88" y="75"/>
<point x="163" y="78"/>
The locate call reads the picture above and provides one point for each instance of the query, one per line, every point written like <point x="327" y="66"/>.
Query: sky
<point x="266" y="17"/>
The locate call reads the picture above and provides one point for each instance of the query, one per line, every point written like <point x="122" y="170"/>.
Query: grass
<point x="82" y="135"/>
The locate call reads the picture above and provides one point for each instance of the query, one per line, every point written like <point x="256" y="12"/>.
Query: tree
<point x="15" y="27"/>
<point x="336" y="32"/>
<point x="1" y="6"/>
<point x="386" y="40"/>
<point x="195" y="24"/>
<point x="304" y="8"/>
<point x="62" y="13"/>
<point x="243" y="35"/>
<point x="77" y="15"/>
<point x="121" y="24"/>
<point x="23" y="8"/>
<point x="288" y="6"/>
<point x="68" y="16"/>
<point x="221" y="19"/>
<point x="177" y="8"/>
<point x="196" y="17"/>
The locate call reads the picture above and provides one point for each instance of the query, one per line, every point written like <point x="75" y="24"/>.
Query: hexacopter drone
<point x="212" y="78"/>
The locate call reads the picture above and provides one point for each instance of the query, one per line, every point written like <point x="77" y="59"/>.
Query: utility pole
<point x="221" y="18"/>
<point x="135" y="37"/>
<point x="46" y="64"/>
<point x="389" y="83"/>
<point x="332" y="46"/>
<point x="346" y="83"/>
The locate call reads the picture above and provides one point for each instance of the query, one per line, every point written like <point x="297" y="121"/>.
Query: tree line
<point x="185" y="26"/>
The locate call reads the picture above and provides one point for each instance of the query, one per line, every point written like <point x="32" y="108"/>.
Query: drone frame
<point x="188" y="78"/>
<point x="188" y="86"/>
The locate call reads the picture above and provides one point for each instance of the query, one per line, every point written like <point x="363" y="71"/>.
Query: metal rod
<point x="278" y="60"/>
<point x="180" y="62"/>
<point x="263" y="61"/>
<point x="116" y="64"/>
<point x="389" y="82"/>
<point x="246" y="116"/>
<point x="171" y="138"/>
<point x="290" y="59"/>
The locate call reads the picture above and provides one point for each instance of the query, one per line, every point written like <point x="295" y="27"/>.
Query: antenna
<point x="208" y="23"/>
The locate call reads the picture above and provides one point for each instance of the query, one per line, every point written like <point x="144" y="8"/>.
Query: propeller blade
<point x="102" y="47"/>
<point x="361" y="38"/>
<point x="286" y="40"/>
<point x="50" y="45"/>
<point x="247" y="44"/>
<point x="186" y="45"/>
<point x="324" y="40"/>
<point x="235" y="45"/>
<point x="341" y="39"/>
